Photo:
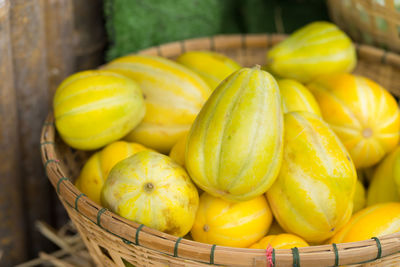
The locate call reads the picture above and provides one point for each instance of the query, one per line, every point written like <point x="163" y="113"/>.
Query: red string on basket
<point x="268" y="253"/>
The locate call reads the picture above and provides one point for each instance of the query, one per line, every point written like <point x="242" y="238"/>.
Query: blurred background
<point x="44" y="41"/>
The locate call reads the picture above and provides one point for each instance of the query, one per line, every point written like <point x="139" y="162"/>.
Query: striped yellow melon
<point x="363" y="114"/>
<point x="313" y="194"/>
<point x="316" y="49"/>
<point x="211" y="66"/>
<point x="281" y="241"/>
<point x="374" y="221"/>
<point x="95" y="171"/>
<point x="234" y="148"/>
<point x="178" y="151"/>
<point x="296" y="97"/>
<point x="225" y="223"/>
<point x="385" y="180"/>
<point x="94" y="108"/>
<point x="151" y="189"/>
<point x="173" y="95"/>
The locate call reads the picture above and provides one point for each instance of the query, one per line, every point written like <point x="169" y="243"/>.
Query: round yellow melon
<point x="359" y="199"/>
<point x="94" y="108"/>
<point x="363" y="114"/>
<point x="281" y="241"/>
<point x="374" y="221"/>
<point x="213" y="67"/>
<point x="226" y="223"/>
<point x="178" y="151"/>
<point x="296" y="97"/>
<point x="313" y="194"/>
<point x="173" y="94"/>
<point x="234" y="148"/>
<point x="151" y="189"/>
<point x="316" y="49"/>
<point x="385" y="180"/>
<point x="95" y="171"/>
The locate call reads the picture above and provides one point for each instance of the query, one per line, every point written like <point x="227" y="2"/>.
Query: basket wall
<point x="111" y="238"/>
<point x="374" y="22"/>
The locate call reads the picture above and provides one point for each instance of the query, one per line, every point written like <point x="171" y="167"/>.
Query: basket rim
<point x="133" y="233"/>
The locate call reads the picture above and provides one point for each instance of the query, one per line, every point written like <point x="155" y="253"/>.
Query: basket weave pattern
<point x="111" y="238"/>
<point x="375" y="22"/>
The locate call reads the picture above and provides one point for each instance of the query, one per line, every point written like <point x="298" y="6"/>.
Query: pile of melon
<point x="296" y="152"/>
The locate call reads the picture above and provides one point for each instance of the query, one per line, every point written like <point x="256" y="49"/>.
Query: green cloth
<point x="133" y="25"/>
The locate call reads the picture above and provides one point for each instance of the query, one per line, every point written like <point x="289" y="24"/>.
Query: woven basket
<point x="111" y="238"/>
<point x="374" y="22"/>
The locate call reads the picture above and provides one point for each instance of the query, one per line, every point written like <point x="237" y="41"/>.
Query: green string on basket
<point x="176" y="246"/>
<point x="273" y="257"/>
<point x="296" y="257"/>
<point x="99" y="213"/>
<point x="335" y="250"/>
<point x="48" y="162"/>
<point x="47" y="143"/>
<point x="378" y="244"/>
<point x="59" y="182"/>
<point x="77" y="199"/>
<point x="137" y="234"/>
<point x="212" y="254"/>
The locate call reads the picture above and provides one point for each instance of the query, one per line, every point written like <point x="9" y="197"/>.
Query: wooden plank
<point x="12" y="234"/>
<point x="59" y="41"/>
<point x="59" y="19"/>
<point x="89" y="37"/>
<point x="31" y="84"/>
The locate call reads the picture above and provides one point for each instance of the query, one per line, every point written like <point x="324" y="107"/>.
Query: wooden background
<point x="41" y="42"/>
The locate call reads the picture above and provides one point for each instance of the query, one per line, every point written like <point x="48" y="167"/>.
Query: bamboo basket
<point x="111" y="239"/>
<point x="374" y="22"/>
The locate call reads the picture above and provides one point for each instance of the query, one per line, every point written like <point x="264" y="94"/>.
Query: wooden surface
<point x="12" y="228"/>
<point x="41" y="43"/>
<point x="30" y="80"/>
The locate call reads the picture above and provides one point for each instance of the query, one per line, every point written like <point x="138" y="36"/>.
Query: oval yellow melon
<point x="211" y="66"/>
<point x="383" y="186"/>
<point x="374" y="221"/>
<point x="173" y="94"/>
<point x="363" y="114"/>
<point x="313" y="194"/>
<point x="316" y="49"/>
<point x="178" y="151"/>
<point x="151" y="189"/>
<point x="225" y="223"/>
<point x="296" y="97"/>
<point x="94" y="108"/>
<point x="95" y="171"/>
<point x="281" y="241"/>
<point x="359" y="199"/>
<point x="234" y="148"/>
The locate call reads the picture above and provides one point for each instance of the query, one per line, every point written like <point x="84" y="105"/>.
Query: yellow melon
<point x="234" y="148"/>
<point x="281" y="241"/>
<point x="316" y="49"/>
<point x="173" y="94"/>
<point x="363" y="114"/>
<point x="232" y="224"/>
<point x="95" y="171"/>
<point x="211" y="66"/>
<point x="151" y="189"/>
<point x="359" y="199"/>
<point x="313" y="194"/>
<point x="374" y="221"/>
<point x="384" y="184"/>
<point x="178" y="151"/>
<point x="296" y="97"/>
<point x="94" y="108"/>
